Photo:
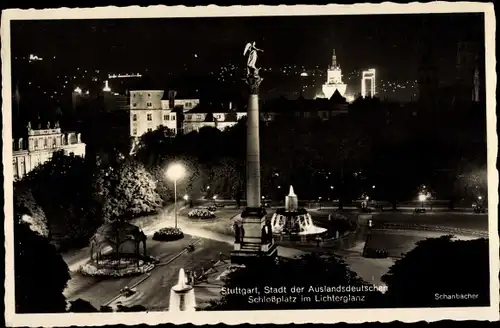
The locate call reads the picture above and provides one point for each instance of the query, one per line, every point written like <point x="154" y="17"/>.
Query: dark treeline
<point x="394" y="148"/>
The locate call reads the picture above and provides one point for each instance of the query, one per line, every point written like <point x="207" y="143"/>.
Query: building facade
<point x="39" y="146"/>
<point x="334" y="79"/>
<point x="220" y="118"/>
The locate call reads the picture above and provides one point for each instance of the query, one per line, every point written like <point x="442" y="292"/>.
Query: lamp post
<point x="175" y="172"/>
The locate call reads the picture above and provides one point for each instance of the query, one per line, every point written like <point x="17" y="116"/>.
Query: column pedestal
<point x="252" y="249"/>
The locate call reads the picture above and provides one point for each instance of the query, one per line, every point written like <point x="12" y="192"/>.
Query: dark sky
<point x="389" y="43"/>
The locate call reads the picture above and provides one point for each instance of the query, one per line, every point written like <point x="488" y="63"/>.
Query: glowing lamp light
<point x="186" y="197"/>
<point x="106" y="87"/>
<point x="367" y="198"/>
<point x="175" y="172"/>
<point x="78" y="90"/>
<point x="479" y="197"/>
<point x="208" y="187"/>
<point x="304" y="74"/>
<point x="214" y="197"/>
<point x="331" y="187"/>
<point x="422" y="197"/>
<point x="373" y="186"/>
<point x="263" y="197"/>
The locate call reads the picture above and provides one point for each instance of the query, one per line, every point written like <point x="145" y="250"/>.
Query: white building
<point x="219" y="118"/>
<point x="334" y="79"/>
<point x="41" y="144"/>
<point x="148" y="111"/>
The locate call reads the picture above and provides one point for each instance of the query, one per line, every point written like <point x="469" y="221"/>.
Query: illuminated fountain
<point x="294" y="220"/>
<point x="182" y="295"/>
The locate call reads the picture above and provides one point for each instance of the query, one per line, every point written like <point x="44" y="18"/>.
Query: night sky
<point x="389" y="43"/>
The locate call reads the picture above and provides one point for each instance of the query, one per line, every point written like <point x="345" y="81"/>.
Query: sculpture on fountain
<point x="294" y="220"/>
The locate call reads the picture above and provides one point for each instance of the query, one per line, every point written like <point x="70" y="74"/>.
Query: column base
<point x="254" y="254"/>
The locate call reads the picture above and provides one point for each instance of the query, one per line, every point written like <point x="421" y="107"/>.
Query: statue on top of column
<point x="251" y="53"/>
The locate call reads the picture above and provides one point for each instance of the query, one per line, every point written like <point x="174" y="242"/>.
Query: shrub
<point x="201" y="213"/>
<point x="168" y="234"/>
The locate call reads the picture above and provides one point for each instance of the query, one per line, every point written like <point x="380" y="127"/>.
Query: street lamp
<point x="422" y="198"/>
<point x="214" y="198"/>
<point x="175" y="172"/>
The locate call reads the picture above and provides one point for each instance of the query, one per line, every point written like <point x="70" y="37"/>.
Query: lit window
<point x="54" y="143"/>
<point x="45" y="142"/>
<point x="166" y="117"/>
<point x="198" y="117"/>
<point x="189" y="117"/>
<point x="134" y="117"/>
<point x="150" y="117"/>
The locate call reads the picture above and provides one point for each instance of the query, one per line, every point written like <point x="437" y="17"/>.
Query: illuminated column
<point x="254" y="234"/>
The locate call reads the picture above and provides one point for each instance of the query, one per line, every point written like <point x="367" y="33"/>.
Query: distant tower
<point x="334" y="79"/>
<point x="368" y="76"/>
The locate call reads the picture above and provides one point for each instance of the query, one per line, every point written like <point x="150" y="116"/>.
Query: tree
<point x="127" y="191"/>
<point x="41" y="274"/>
<point x="226" y="177"/>
<point x="153" y="146"/>
<point x="470" y="180"/>
<point x="26" y="207"/>
<point x="311" y="271"/>
<point x="62" y="187"/>
<point x="440" y="266"/>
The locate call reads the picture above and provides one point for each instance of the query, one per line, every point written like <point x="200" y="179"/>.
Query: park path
<point x="76" y="258"/>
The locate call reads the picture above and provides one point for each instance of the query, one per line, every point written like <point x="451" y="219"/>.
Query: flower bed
<point x="168" y="234"/>
<point x="128" y="267"/>
<point x="201" y="213"/>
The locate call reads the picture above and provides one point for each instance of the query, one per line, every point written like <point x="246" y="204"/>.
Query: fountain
<point x="294" y="220"/>
<point x="182" y="295"/>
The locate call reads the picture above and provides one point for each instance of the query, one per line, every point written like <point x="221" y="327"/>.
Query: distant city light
<point x="121" y="76"/>
<point x="106" y="87"/>
<point x="304" y="74"/>
<point x="479" y="197"/>
<point x="373" y="186"/>
<point x="34" y="58"/>
<point x="78" y="90"/>
<point x="422" y="197"/>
